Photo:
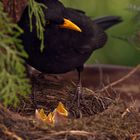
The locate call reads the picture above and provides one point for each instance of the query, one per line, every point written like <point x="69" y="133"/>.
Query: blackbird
<point x="70" y="38"/>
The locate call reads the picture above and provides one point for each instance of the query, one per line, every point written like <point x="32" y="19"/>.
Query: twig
<point x="127" y="111"/>
<point x="120" y="80"/>
<point x="10" y="134"/>
<point x="72" y="132"/>
<point x="75" y="132"/>
<point x="135" y="136"/>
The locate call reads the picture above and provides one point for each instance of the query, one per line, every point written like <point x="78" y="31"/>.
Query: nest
<point x="101" y="117"/>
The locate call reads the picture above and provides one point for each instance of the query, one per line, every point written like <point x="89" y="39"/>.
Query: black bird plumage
<point x="65" y="49"/>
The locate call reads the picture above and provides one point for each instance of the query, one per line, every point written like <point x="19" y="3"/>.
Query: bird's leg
<point x="34" y="80"/>
<point x="78" y="94"/>
<point x="79" y="89"/>
<point x="33" y="95"/>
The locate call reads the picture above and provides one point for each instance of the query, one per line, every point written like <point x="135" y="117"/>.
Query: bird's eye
<point x="47" y="22"/>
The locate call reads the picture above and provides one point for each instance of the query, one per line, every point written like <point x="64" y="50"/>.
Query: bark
<point x="14" y="8"/>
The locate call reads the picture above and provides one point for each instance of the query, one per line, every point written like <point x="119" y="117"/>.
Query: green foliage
<point x="35" y="10"/>
<point x="135" y="38"/>
<point x="13" y="81"/>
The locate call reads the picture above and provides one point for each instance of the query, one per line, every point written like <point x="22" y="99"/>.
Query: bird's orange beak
<point x="70" y="25"/>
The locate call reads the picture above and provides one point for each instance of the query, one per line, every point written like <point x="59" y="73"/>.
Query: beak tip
<point x="80" y="30"/>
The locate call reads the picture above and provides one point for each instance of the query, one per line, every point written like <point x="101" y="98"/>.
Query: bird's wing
<point x="94" y="42"/>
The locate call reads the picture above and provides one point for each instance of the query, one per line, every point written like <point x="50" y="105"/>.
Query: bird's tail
<point x="108" y="21"/>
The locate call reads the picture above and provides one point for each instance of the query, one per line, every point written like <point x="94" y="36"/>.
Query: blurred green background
<point x="124" y="51"/>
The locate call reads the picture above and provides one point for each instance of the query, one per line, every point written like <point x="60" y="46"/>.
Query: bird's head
<point x="54" y="15"/>
<point x="63" y="23"/>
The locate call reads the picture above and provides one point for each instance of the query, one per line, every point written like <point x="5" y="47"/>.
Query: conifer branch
<point x="13" y="81"/>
